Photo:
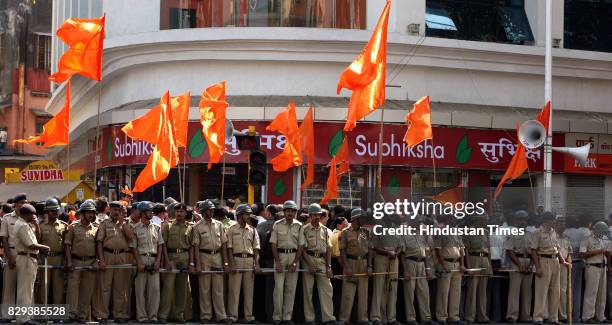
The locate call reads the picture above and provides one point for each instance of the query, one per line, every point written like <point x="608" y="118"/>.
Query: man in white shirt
<point x="159" y="214"/>
<point x="577" y="231"/>
<point x="498" y="260"/>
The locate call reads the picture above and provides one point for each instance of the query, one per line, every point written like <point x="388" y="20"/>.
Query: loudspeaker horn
<point x="229" y="129"/>
<point x="532" y="134"/>
<point x="581" y="154"/>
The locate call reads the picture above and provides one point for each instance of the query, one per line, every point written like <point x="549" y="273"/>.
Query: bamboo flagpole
<point x="380" y="143"/>
<point x="97" y="153"/>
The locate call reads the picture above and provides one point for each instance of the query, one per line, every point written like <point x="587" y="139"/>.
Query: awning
<point x="40" y="112"/>
<point x="37" y="191"/>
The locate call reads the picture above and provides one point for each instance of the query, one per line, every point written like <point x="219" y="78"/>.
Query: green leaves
<point x="197" y="144"/>
<point x="335" y="143"/>
<point x="393" y="186"/>
<point x="279" y="187"/>
<point x="463" y="151"/>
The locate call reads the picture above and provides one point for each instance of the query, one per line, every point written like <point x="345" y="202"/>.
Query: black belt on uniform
<point x="149" y="254"/>
<point x="209" y="252"/>
<point x="354" y="257"/>
<point x="478" y="254"/>
<point x="32" y="255"/>
<point x="416" y="258"/>
<point x="83" y="258"/>
<point x="315" y="254"/>
<point x="50" y="254"/>
<point x="243" y="255"/>
<point x="600" y="265"/>
<point x="386" y="253"/>
<point x="115" y="251"/>
<point x="522" y="255"/>
<point x="548" y="255"/>
<point x="452" y="260"/>
<point x="287" y="251"/>
<point x="177" y="250"/>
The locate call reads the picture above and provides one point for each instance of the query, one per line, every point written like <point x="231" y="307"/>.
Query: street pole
<point x="547" y="98"/>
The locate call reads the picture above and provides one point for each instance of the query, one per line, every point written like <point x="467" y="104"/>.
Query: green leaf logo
<point x="279" y="187"/>
<point x="197" y="144"/>
<point x="393" y="186"/>
<point x="109" y="149"/>
<point x="463" y="151"/>
<point x="335" y="143"/>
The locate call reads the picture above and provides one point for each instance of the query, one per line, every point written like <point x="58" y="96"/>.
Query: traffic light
<point x="258" y="168"/>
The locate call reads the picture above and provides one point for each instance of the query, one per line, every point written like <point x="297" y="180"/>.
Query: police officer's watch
<point x="191" y="264"/>
<point x="226" y="264"/>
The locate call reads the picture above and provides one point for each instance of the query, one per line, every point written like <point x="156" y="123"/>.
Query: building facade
<point x="481" y="63"/>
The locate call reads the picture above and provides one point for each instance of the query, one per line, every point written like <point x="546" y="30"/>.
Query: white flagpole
<point x="548" y="97"/>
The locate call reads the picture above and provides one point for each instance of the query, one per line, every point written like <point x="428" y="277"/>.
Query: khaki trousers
<point x="55" y="281"/>
<point x="324" y="288"/>
<point x="211" y="288"/>
<point x="9" y="284"/>
<point x="563" y="292"/>
<point x="547" y="290"/>
<point x="26" y="276"/>
<point x="349" y="286"/>
<point x="520" y="294"/>
<point x="284" y="289"/>
<point x="448" y="294"/>
<point x="80" y="290"/>
<point x="476" y="295"/>
<point x="421" y="288"/>
<point x="147" y="292"/>
<point x="594" y="303"/>
<point x="174" y="289"/>
<point x="384" y="294"/>
<point x="117" y="280"/>
<point x="244" y="281"/>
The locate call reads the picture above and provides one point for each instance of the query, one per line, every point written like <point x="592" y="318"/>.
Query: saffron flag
<point x="419" y="123"/>
<point x="213" y="106"/>
<point x="544" y="116"/>
<point x="366" y="76"/>
<point x="453" y="195"/>
<point x="56" y="132"/>
<point x="516" y="168"/>
<point x="342" y="158"/>
<point x="286" y="123"/>
<point x="332" y="183"/>
<point x="180" y="113"/>
<point x="85" y="39"/>
<point x="308" y="146"/>
<point x="165" y="152"/>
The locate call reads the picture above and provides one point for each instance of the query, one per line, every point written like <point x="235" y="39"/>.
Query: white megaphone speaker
<point x="581" y="154"/>
<point x="229" y="129"/>
<point x="532" y="134"/>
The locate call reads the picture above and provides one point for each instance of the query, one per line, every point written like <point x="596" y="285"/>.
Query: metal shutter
<point x="585" y="193"/>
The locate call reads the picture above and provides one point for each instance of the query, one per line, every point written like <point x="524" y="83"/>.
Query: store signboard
<point x="600" y="156"/>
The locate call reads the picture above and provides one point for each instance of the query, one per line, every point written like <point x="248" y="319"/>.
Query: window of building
<point x="588" y="25"/>
<point x="39" y="128"/>
<point x="351" y="193"/>
<point x="176" y="14"/>
<point x="501" y="21"/>
<point x="43" y="52"/>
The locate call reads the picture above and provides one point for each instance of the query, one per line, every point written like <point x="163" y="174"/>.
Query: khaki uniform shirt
<point x="315" y="239"/>
<point x="52" y="235"/>
<point x="592" y="243"/>
<point x="565" y="247"/>
<point x="25" y="237"/>
<point x="285" y="235"/>
<point x="7" y="229"/>
<point x="450" y="246"/>
<point x="355" y="243"/>
<point x="388" y="243"/>
<point x="415" y="246"/>
<point x="112" y="236"/>
<point x="519" y="244"/>
<point x="477" y="243"/>
<point x="545" y="241"/>
<point x="210" y="236"/>
<point x="335" y="241"/>
<point x="82" y="239"/>
<point x="147" y="238"/>
<point x="242" y="240"/>
<point x="177" y="236"/>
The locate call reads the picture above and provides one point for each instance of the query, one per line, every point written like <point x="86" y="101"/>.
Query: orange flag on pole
<point x="518" y="165"/>
<point x="332" y="183"/>
<point x="453" y="195"/>
<point x="544" y="116"/>
<point x="286" y="123"/>
<point x="165" y="152"/>
<point x="56" y="132"/>
<point x="366" y="76"/>
<point x="419" y="123"/>
<point x="213" y="106"/>
<point x="342" y="157"/>
<point x="85" y="39"/>
<point x="308" y="146"/>
<point x="180" y="113"/>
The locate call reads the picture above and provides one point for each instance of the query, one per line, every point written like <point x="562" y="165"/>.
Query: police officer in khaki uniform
<point x="243" y="252"/>
<point x="178" y="238"/>
<point x="315" y="250"/>
<point x="386" y="250"/>
<point x="565" y="262"/>
<point x="284" y="240"/>
<point x="52" y="232"/>
<point x="449" y="251"/>
<point x="518" y="249"/>
<point x="80" y="251"/>
<point x="27" y="248"/>
<point x="593" y="250"/>
<point x="415" y="263"/>
<point x="544" y="252"/>
<point x="7" y="232"/>
<point x="477" y="251"/>
<point x="147" y="249"/>
<point x="209" y="241"/>
<point x="114" y="237"/>
<point x="354" y="256"/>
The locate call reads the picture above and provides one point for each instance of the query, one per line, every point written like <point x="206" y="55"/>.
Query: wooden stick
<point x="97" y="141"/>
<point x="380" y="142"/>
<point x="569" y="294"/>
